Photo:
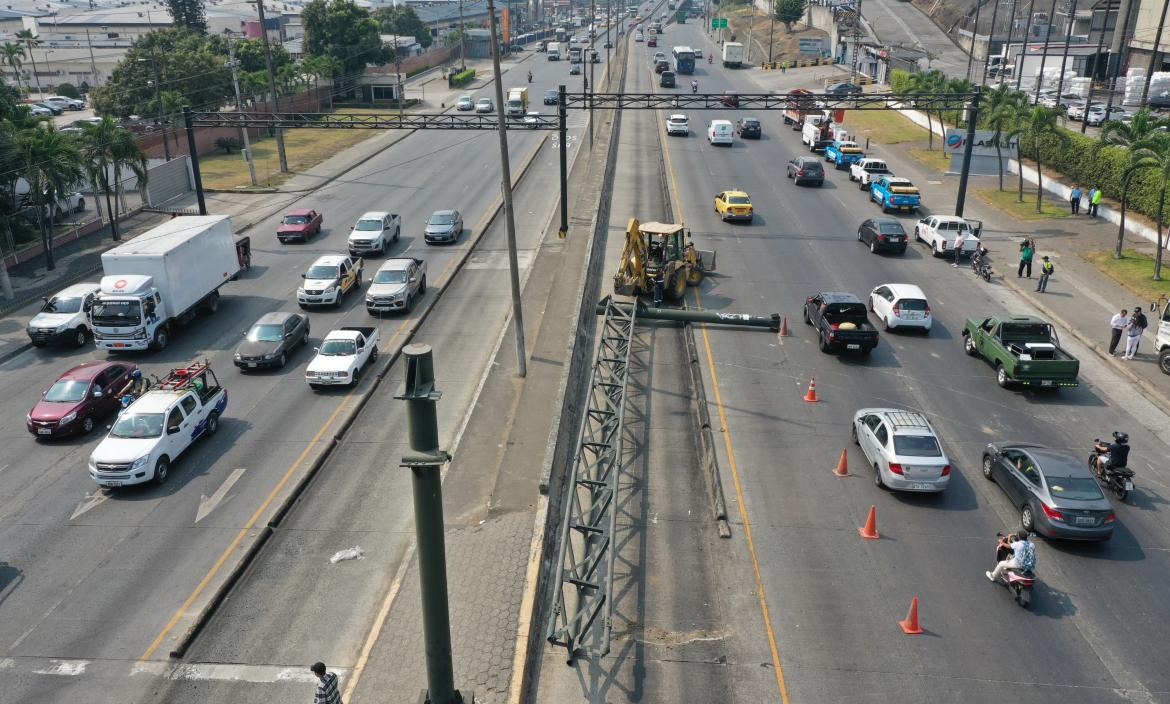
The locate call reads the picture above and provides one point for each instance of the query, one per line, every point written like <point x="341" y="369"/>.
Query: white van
<point x="721" y="132"/>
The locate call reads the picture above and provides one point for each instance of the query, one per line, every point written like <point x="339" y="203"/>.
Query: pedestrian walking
<point x="1137" y="325"/>
<point x="1094" y="201"/>
<point x="1046" y="269"/>
<point x="326" y="685"/>
<point x="960" y="238"/>
<point x="1117" y="326"/>
<point x="1027" y="249"/>
<point x="1074" y="199"/>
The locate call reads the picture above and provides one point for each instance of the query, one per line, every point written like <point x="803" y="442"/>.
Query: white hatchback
<point x="678" y="124"/>
<point x="901" y="306"/>
<point x="902" y="449"/>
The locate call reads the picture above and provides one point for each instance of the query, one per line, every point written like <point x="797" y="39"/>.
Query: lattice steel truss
<point x="770" y="101"/>
<point x="587" y="532"/>
<point x="385" y="121"/>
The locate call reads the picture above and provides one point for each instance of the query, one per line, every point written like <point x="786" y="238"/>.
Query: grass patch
<point x="1010" y="204"/>
<point x="883" y="127"/>
<point x="304" y="148"/>
<point x="1134" y="271"/>
<point x="936" y="159"/>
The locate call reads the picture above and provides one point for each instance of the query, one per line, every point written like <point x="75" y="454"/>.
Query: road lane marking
<point x="90" y="502"/>
<point x="743" y="512"/>
<point x="207" y="504"/>
<point x="67" y="668"/>
<point x="234" y="544"/>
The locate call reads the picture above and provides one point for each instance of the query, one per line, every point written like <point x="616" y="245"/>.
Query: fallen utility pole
<point x="682" y="315"/>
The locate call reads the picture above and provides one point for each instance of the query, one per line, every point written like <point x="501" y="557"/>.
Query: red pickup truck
<point x="300" y="224"/>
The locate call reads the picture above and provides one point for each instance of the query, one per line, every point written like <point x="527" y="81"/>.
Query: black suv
<point x="666" y="79"/>
<point x="749" y="128"/>
<point x="806" y="169"/>
<point x="882" y="234"/>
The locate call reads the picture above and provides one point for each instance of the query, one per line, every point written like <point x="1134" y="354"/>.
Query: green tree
<point x="1041" y="125"/>
<point x="789" y="11"/>
<point x="52" y="166"/>
<point x="13" y="56"/>
<point x="126" y="155"/>
<point x="31" y="41"/>
<point x="345" y="31"/>
<point x="250" y="54"/>
<point x="1136" y="132"/>
<point x="1000" y="108"/>
<point x="186" y="62"/>
<point x="922" y="84"/>
<point x="403" y="21"/>
<point x="95" y="154"/>
<point x="68" y="90"/>
<point x="1154" y="154"/>
<point x="188" y="14"/>
<point x="10" y="169"/>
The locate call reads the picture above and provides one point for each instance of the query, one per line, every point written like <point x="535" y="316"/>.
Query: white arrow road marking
<point x="207" y="504"/>
<point x="69" y="668"/>
<point x="93" y="500"/>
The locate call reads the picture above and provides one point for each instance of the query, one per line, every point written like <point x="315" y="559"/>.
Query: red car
<point x="652" y="41"/>
<point x="299" y="224"/>
<point x="79" y="399"/>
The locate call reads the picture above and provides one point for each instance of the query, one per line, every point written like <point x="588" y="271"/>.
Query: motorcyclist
<point x="710" y="58"/>
<point x="694" y="86"/>
<point x="1115" y="454"/>
<point x="1023" y="555"/>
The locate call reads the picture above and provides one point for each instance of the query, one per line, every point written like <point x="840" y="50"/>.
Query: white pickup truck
<point x="341" y="357"/>
<point x="939" y="232"/>
<point x="150" y="435"/>
<point x="396" y="286"/>
<point x="866" y="170"/>
<point x="374" y="233"/>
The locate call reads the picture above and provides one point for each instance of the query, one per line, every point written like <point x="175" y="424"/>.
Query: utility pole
<point x="1008" y="46"/>
<point x="974" y="32"/>
<point x="1044" y="56"/>
<point x="747" y="52"/>
<point x="1096" y="69"/>
<point x="969" y="142"/>
<point x="272" y="84"/>
<point x="1119" y="39"/>
<point x="398" y="75"/>
<point x="462" y="40"/>
<point x="1024" y="45"/>
<point x="592" y="76"/>
<point x="509" y="218"/>
<point x="771" y="31"/>
<point x="158" y="99"/>
<point x="1064" y="59"/>
<point x="234" y="66"/>
<point x="92" y="63"/>
<point x="990" y="37"/>
<point x="1154" y="53"/>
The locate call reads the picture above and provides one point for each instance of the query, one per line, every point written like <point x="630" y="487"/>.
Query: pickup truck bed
<point x="1024" y="351"/>
<point x="841" y="322"/>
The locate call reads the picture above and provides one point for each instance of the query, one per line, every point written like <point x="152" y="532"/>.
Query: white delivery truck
<point x="554" y="51"/>
<point x="161" y="277"/>
<point x="732" y="54"/>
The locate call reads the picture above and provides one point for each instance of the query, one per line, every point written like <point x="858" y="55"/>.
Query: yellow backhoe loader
<point x="651" y="246"/>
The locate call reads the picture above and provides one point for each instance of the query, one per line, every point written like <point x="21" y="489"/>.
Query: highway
<point x="1094" y="631"/>
<point x="102" y="585"/>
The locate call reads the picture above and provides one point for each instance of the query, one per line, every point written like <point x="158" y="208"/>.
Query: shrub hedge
<point x="461" y="78"/>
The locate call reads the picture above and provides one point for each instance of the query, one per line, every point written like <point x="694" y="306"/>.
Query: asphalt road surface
<point x="98" y="586"/>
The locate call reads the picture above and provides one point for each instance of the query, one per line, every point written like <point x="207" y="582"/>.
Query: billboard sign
<point x="984" y="144"/>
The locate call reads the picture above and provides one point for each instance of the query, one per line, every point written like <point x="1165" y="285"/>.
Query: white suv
<point x="901" y="306"/>
<point x="65" y="102"/>
<point x="678" y="124"/>
<point x="902" y="448"/>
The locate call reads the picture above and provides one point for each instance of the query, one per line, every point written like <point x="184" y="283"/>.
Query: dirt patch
<point x="785" y="46"/>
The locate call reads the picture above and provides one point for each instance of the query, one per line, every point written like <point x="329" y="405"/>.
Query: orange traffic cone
<point x="910" y="624"/>
<point x="869" y="530"/>
<point x="842" y="469"/>
<point x="784" y="327"/>
<point x="811" y="394"/>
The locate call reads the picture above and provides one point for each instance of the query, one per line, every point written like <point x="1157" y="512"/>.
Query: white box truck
<point x="161" y="277"/>
<point x="732" y="54"/>
<point x="554" y="51"/>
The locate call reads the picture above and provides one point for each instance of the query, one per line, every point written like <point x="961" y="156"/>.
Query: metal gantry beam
<point x="768" y="101"/>
<point x="582" y="585"/>
<point x="409" y="121"/>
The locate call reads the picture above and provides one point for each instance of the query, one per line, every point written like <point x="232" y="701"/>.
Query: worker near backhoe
<point x="659" y="285"/>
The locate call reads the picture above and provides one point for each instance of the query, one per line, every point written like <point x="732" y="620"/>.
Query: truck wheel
<point x="161" y="470"/>
<point x="861" y="185"/>
<point x="161" y="339"/>
<point x="969" y="346"/>
<point x="1164" y="360"/>
<point x="212" y="424"/>
<point x="1001" y="376"/>
<point x="79" y="336"/>
<point x="851" y="176"/>
<point x="397" y="234"/>
<point x="212" y="302"/>
<point x="935" y="250"/>
<point x="824" y="344"/>
<point x="87" y="425"/>
<point x="807" y="320"/>
<point x="373" y="356"/>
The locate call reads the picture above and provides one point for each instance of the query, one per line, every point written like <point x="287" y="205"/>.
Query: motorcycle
<point x="710" y="59"/>
<point x="1119" y="480"/>
<point x="694" y="86"/>
<point x="980" y="265"/>
<point x="1018" y="581"/>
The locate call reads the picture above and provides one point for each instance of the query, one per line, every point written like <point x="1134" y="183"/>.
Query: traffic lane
<point x="728" y="264"/>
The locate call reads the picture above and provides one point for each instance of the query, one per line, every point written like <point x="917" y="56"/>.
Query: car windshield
<point x="296" y="219"/>
<point x="339" y="348"/>
<point x="1076" y="488"/>
<point x="266" y="333"/>
<point x="738" y="200"/>
<point x="485" y="101"/>
<point x="441" y="219"/>
<point x="67" y="391"/>
<point x="368" y="225"/>
<point x="465" y="99"/>
<point x="891" y="228"/>
<point x="321" y="272"/>
<point x="916" y="446"/>
<point x="62" y="305"/>
<point x="116" y="313"/>
<point x="395" y="276"/>
<point x="138" y="425"/>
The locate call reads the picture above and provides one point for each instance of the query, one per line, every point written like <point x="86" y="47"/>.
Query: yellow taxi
<point x="734" y="205"/>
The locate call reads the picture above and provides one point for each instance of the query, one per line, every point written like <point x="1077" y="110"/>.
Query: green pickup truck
<point x="1024" y="350"/>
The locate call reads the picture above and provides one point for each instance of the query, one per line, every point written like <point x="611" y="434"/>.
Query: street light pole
<point x="1064" y="59"/>
<point x="92" y="63"/>
<point x="509" y="217"/>
<point x="1024" y="45"/>
<point x="462" y="40"/>
<point x="1096" y="69"/>
<point x="271" y="84"/>
<point x="1153" y="53"/>
<point x="1008" y="45"/>
<point x="990" y="38"/>
<point x="158" y="100"/>
<point x="1044" y="55"/>
<point x="234" y="66"/>
<point x="974" y="32"/>
<point x="771" y="31"/>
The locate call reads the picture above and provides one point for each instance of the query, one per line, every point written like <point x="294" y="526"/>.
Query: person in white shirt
<point x="1117" y="326"/>
<point x="960" y="238"/>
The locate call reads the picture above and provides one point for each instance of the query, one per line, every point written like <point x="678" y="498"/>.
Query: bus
<point x="684" y="59"/>
<point x="631" y="10"/>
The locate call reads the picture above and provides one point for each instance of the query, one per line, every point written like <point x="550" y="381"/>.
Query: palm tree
<point x="96" y="140"/>
<point x="1039" y="126"/>
<point x="31" y="40"/>
<point x="126" y="154"/>
<point x="10" y="170"/>
<point x="52" y="166"/>
<point x="1000" y="111"/>
<point x="924" y="83"/>
<point x="13" y="55"/>
<point x="1154" y="153"/>
<point x="1141" y="127"/>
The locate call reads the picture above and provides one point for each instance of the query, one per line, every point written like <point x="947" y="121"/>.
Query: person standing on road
<point x="326" y="685"/>
<point x="1046" y="269"/>
<point x="1137" y="325"/>
<point x="1074" y="199"/>
<point x="1027" y="249"/>
<point x="1117" y="326"/>
<point x="659" y="285"/>
<point x="960" y="238"/>
<point x="1094" y="201"/>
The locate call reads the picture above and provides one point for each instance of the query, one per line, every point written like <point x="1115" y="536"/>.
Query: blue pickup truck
<point x="895" y="193"/>
<point x="843" y="153"/>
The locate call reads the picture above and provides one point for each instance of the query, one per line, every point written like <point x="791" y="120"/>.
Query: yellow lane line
<point x="235" y="543"/>
<point x="676" y="203"/>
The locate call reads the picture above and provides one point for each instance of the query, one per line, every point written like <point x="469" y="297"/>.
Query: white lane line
<point x="230" y="672"/>
<point x="91" y="501"/>
<point x="207" y="504"/>
<point x="66" y="668"/>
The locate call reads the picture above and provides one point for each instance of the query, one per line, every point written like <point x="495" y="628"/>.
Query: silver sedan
<point x="902" y="449"/>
